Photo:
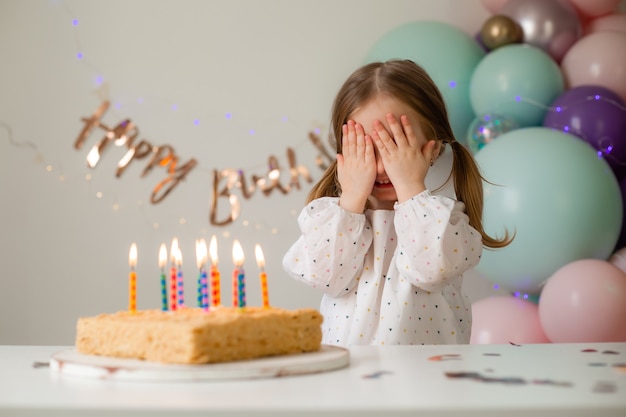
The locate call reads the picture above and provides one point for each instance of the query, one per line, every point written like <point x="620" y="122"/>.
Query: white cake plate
<point x="72" y="363"/>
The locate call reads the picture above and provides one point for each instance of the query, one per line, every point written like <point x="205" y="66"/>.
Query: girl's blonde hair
<point x="409" y="83"/>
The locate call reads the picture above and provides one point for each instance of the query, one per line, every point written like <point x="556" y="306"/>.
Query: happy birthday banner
<point x="225" y="181"/>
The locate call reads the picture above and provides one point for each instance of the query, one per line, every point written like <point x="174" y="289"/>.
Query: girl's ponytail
<point x="469" y="190"/>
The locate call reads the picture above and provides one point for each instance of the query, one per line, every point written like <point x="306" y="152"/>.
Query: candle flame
<point x="238" y="257"/>
<point x="162" y="256"/>
<point x="201" y="255"/>
<point x="132" y="256"/>
<point x="213" y="250"/>
<point x="260" y="259"/>
<point x="178" y="257"/>
<point x="174" y="249"/>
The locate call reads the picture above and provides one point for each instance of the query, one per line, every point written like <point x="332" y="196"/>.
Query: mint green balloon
<point x="563" y="202"/>
<point x="449" y="56"/>
<point x="519" y="81"/>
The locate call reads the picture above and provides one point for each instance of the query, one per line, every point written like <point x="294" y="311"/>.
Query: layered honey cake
<point x="195" y="336"/>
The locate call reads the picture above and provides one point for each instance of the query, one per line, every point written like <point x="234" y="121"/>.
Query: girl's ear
<point x="437" y="149"/>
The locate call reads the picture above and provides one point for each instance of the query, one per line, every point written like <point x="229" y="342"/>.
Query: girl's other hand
<point x="406" y="155"/>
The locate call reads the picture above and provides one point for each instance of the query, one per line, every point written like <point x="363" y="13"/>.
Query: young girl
<point x="387" y="253"/>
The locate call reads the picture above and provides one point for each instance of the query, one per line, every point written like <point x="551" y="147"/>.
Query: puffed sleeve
<point x="330" y="252"/>
<point x="435" y="240"/>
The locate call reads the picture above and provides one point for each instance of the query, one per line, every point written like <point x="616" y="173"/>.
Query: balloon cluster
<point x="538" y="94"/>
<point x="560" y="175"/>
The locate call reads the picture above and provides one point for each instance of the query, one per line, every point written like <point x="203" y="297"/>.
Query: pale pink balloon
<point x="494" y="6"/>
<point x="615" y="22"/>
<point x="584" y="301"/>
<point x="619" y="259"/>
<point x="597" y="59"/>
<point x="595" y="8"/>
<point x="506" y="319"/>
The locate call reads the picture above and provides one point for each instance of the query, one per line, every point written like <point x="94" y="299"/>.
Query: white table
<point x="543" y="380"/>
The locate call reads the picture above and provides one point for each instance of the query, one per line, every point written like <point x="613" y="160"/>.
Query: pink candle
<point x="173" y="285"/>
<point x="239" y="286"/>
<point x="132" y="293"/>
<point x="162" y="262"/>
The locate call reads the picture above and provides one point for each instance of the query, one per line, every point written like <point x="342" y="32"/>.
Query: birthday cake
<point x="195" y="336"/>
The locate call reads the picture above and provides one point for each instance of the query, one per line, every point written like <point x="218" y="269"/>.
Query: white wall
<point x="64" y="249"/>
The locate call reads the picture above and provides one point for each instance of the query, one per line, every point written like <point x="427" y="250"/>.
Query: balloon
<point x="584" y="301"/>
<point x="551" y="25"/>
<point x="595" y="8"/>
<point x="550" y="188"/>
<point x="517" y="80"/>
<point x="447" y="53"/>
<point x="597" y="59"/>
<point x="479" y="41"/>
<point x="618" y="259"/>
<point x="486" y="128"/>
<point x="621" y="241"/>
<point x="502" y="319"/>
<point x="596" y="115"/>
<point x="493" y="6"/>
<point x="612" y="23"/>
<point x="500" y="30"/>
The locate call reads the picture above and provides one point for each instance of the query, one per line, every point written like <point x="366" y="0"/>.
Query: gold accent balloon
<point x="500" y="30"/>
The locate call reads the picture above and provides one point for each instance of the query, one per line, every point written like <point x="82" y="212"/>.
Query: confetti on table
<point x="478" y="377"/>
<point x="514" y="344"/>
<point x="620" y="368"/>
<point x="445" y="357"/>
<point x="610" y="352"/>
<point x="506" y="380"/>
<point x="604" y="387"/>
<point x="552" y="382"/>
<point x="377" y="374"/>
<point x="38" y="365"/>
<point x="491" y="354"/>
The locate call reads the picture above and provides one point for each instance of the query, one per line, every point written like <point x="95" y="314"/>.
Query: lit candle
<point x="180" y="294"/>
<point x="173" y="250"/>
<point x="239" y="284"/>
<point x="132" y="294"/>
<point x="216" y="291"/>
<point x="201" y="257"/>
<point x="260" y="260"/>
<point x="162" y="262"/>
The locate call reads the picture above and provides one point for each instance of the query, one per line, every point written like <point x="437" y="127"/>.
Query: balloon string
<point x="13" y="142"/>
<point x="598" y="97"/>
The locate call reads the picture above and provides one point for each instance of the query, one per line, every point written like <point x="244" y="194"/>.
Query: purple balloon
<point x="598" y="116"/>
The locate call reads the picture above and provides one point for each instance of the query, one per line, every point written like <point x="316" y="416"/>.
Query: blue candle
<point x="180" y="290"/>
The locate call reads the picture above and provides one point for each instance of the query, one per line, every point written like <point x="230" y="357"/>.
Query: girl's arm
<point x="330" y="252"/>
<point x="435" y="241"/>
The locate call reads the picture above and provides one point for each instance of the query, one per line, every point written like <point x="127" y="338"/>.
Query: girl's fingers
<point x="355" y="143"/>
<point x="381" y="136"/>
<point x="408" y="130"/>
<point x="397" y="131"/>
